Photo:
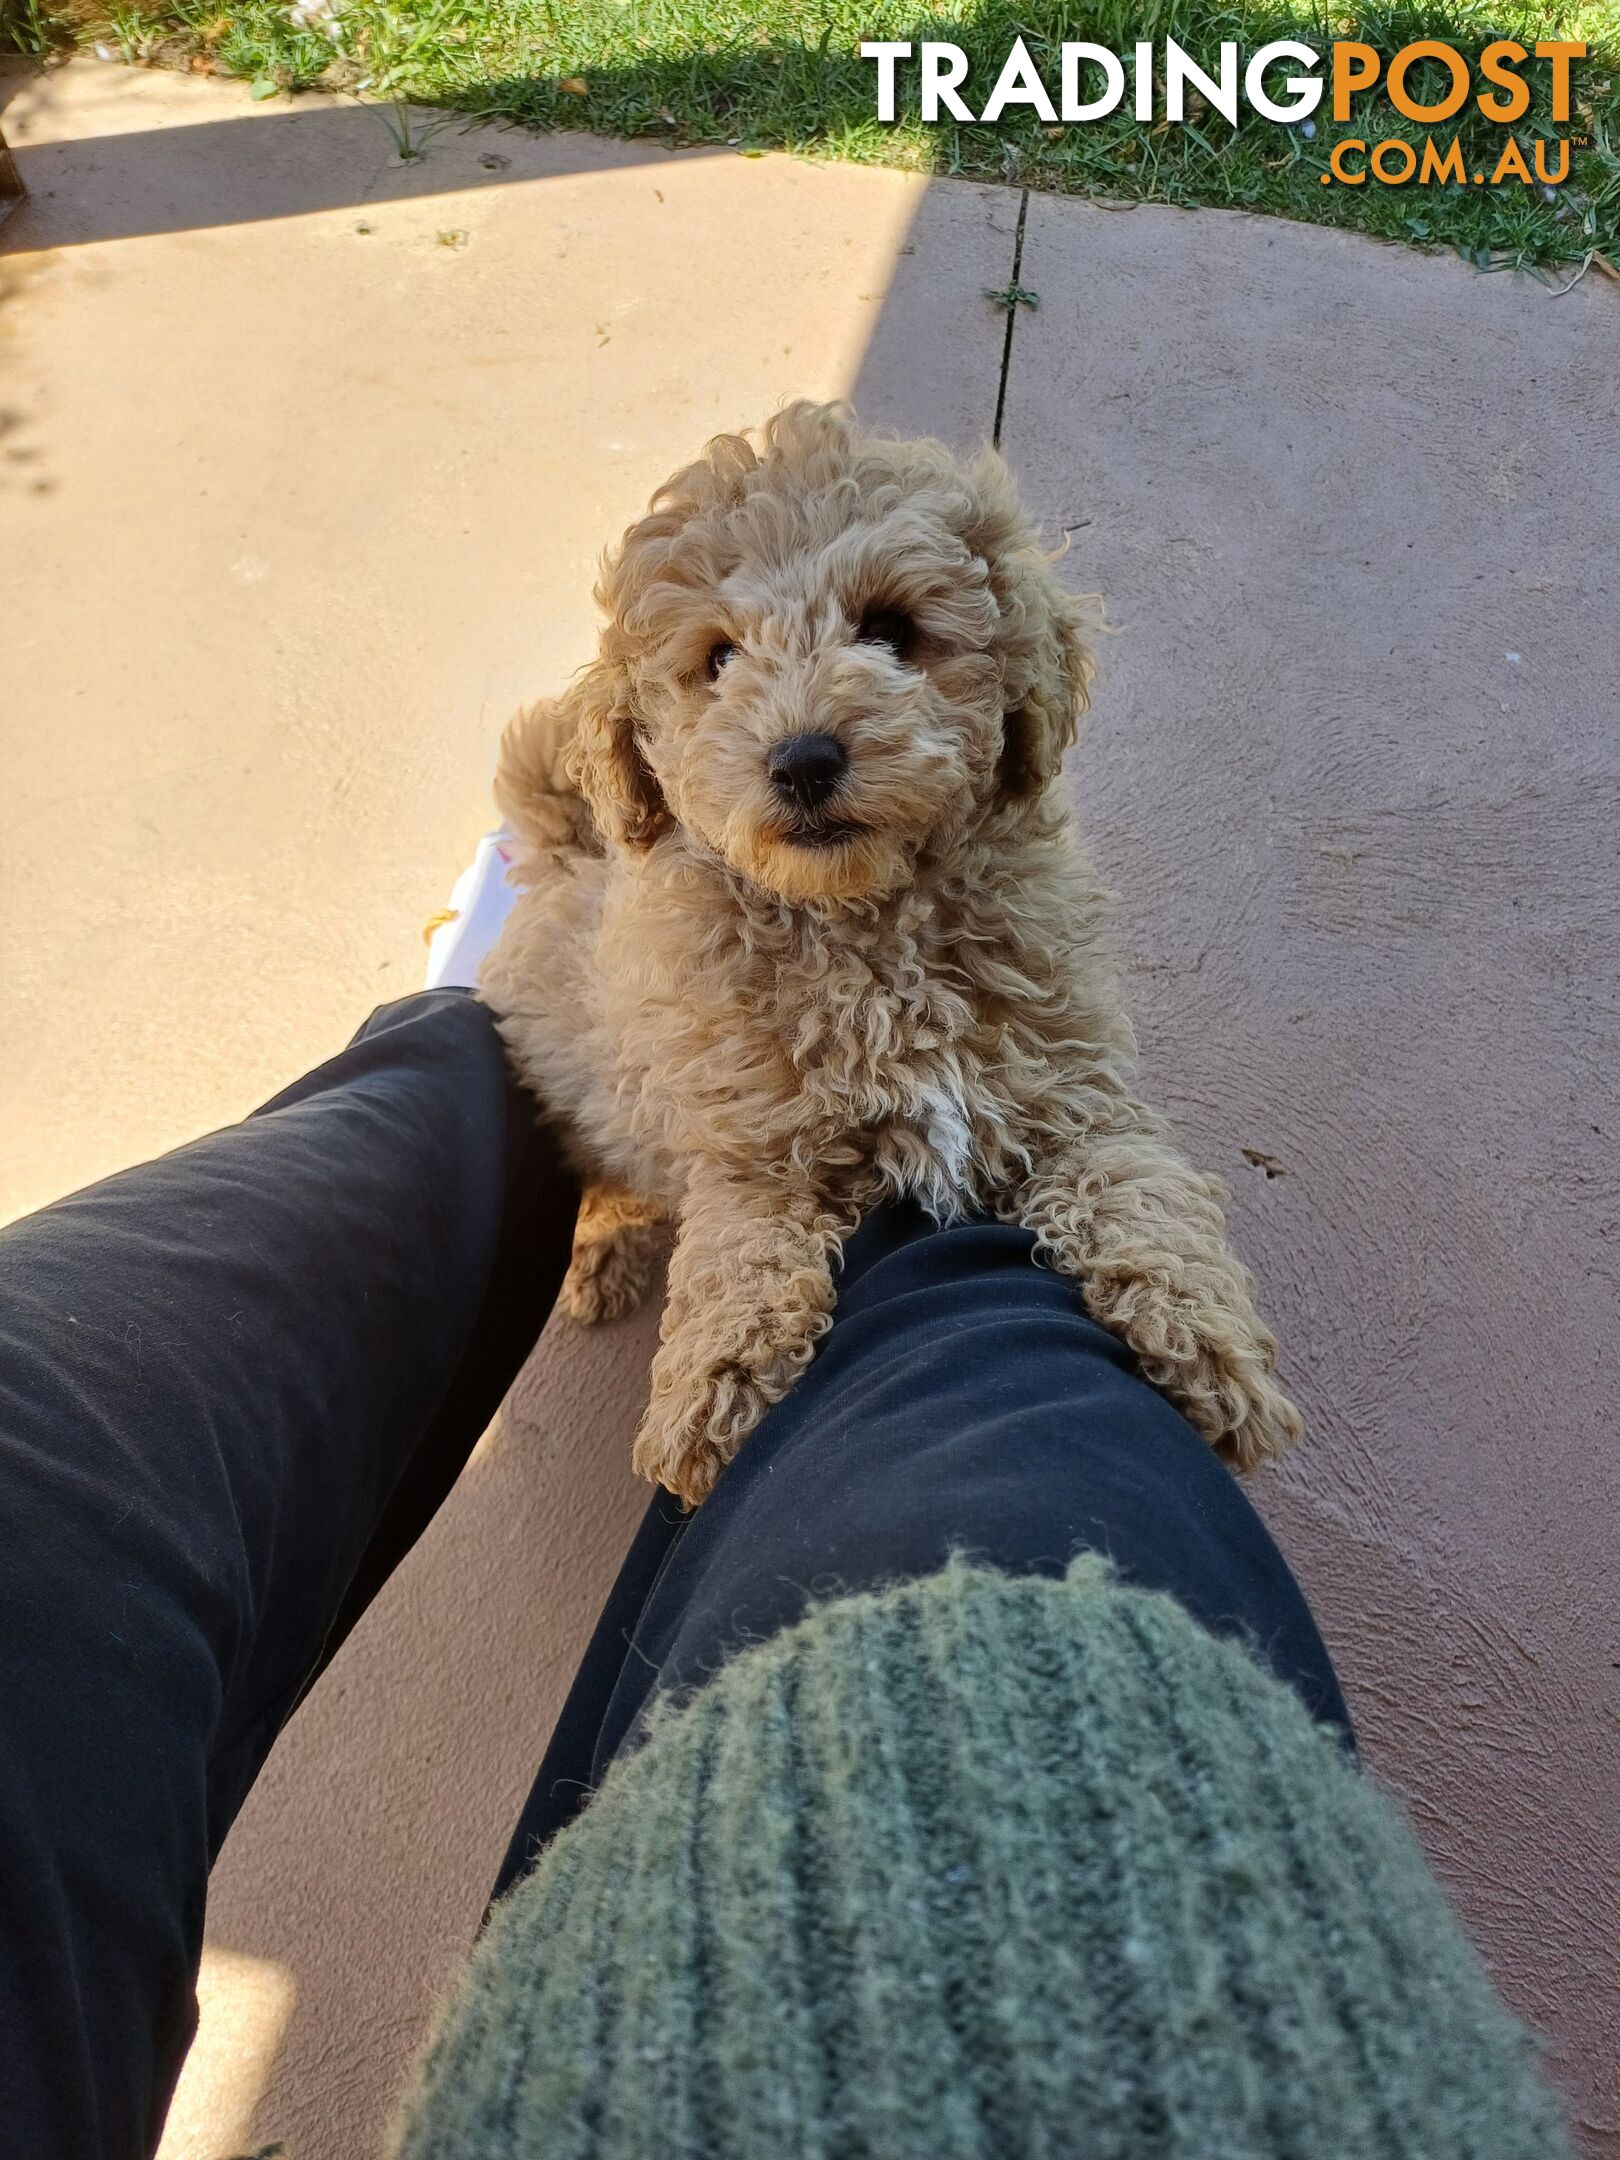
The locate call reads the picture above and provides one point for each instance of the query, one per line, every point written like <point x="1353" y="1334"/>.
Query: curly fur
<point x="762" y="1028"/>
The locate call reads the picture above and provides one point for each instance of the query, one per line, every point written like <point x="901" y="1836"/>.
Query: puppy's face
<point x="830" y="661"/>
<point x="817" y="690"/>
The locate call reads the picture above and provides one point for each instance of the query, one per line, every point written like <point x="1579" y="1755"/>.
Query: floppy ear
<point x="605" y="761"/>
<point x="1047" y="718"/>
<point x="1046" y="628"/>
<point x="566" y="753"/>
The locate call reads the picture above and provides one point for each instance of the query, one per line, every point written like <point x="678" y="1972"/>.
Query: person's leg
<point x="234" y="1385"/>
<point x="962" y="1402"/>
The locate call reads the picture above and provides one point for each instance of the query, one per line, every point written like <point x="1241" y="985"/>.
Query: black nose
<point x="805" y="768"/>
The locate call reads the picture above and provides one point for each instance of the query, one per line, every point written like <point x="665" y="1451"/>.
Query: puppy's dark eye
<point x="888" y="626"/>
<point x="719" y="653"/>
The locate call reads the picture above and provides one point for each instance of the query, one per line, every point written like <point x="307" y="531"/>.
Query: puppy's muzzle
<point x="804" y="770"/>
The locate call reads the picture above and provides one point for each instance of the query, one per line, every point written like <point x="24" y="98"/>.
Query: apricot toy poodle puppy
<point x="808" y="928"/>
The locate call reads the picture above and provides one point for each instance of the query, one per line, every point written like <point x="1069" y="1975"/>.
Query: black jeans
<point x="236" y="1383"/>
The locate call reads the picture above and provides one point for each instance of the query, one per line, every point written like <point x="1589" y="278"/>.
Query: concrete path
<point x="306" y="456"/>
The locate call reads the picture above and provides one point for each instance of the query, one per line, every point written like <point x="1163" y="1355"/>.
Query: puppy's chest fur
<point x="892" y="1067"/>
<point x="861" y="1054"/>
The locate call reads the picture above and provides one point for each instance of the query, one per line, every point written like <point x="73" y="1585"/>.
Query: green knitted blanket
<point x="981" y="1869"/>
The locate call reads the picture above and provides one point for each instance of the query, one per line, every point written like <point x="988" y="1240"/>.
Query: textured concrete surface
<point x="295" y="511"/>
<point x="1355" y="771"/>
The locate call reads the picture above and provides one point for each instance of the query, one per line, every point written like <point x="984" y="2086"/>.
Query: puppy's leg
<point x="616" y="1246"/>
<point x="750" y="1296"/>
<point x="1144" y="1236"/>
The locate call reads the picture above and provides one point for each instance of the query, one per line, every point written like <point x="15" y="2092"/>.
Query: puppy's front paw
<point x="1242" y="1412"/>
<point x="692" y="1429"/>
<point x="1213" y="1359"/>
<point x="750" y="1296"/>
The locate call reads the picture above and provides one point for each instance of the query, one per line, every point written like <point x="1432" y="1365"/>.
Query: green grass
<point x="785" y="74"/>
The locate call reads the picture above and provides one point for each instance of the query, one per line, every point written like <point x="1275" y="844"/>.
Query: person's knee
<point x="450" y="1016"/>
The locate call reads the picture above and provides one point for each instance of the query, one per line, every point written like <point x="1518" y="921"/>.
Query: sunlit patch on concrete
<point x="245" y="2003"/>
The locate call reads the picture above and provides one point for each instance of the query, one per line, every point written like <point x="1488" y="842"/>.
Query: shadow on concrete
<point x="309" y="158"/>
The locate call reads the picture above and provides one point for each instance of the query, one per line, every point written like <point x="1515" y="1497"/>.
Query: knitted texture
<point x="981" y="1869"/>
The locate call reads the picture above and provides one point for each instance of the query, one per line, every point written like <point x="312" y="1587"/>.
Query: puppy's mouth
<point x="819" y="832"/>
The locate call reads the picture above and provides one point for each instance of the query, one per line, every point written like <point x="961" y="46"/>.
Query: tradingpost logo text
<point x="1091" y="84"/>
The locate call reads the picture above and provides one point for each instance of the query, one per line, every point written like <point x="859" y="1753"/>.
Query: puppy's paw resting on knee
<point x="700" y="1415"/>
<point x="1270" y="1426"/>
<point x="750" y="1296"/>
<point x="1144" y="1236"/>
<point x="711" y="1385"/>
<point x="1212" y="1356"/>
<point x="692" y="1429"/>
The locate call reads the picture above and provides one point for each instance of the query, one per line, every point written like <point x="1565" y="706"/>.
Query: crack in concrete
<point x="1012" y="316"/>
